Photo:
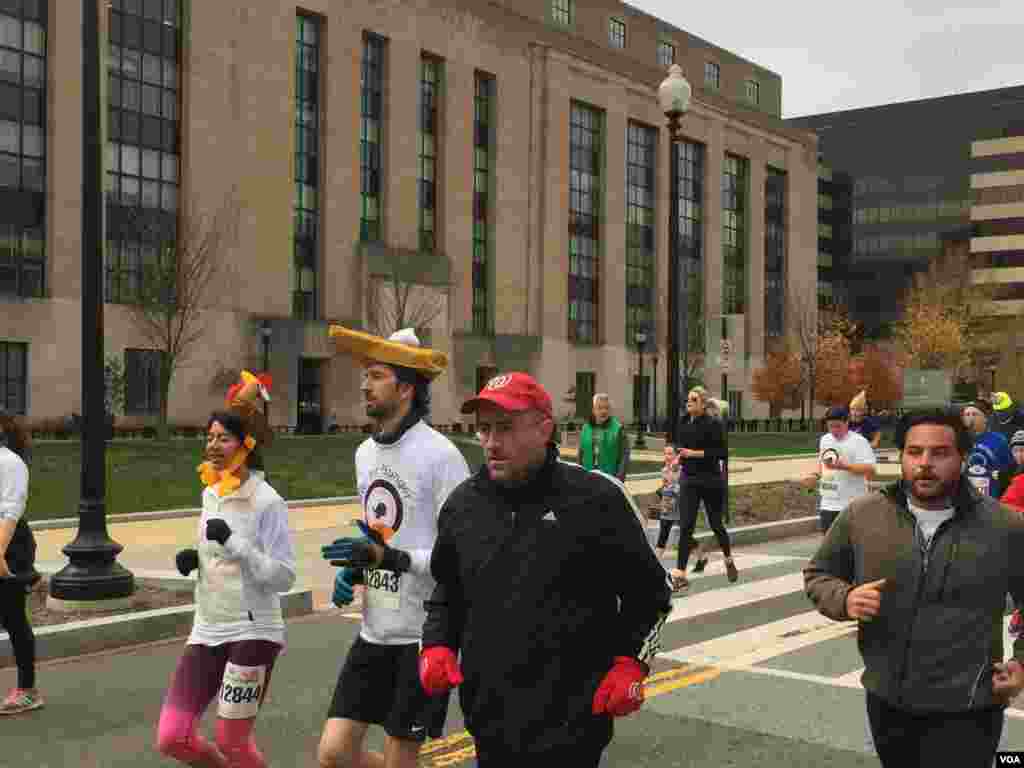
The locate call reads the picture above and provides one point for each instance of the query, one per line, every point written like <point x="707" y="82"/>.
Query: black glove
<point x="359" y="552"/>
<point x="217" y="530"/>
<point x="187" y="561"/>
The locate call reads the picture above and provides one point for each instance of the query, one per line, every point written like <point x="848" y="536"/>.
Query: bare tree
<point x="810" y="325"/>
<point x="393" y="304"/>
<point x="175" y="293"/>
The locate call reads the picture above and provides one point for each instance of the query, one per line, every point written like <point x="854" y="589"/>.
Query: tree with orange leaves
<point x="881" y="376"/>
<point x="833" y="384"/>
<point x="780" y="382"/>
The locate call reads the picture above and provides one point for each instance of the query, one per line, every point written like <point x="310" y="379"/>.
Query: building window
<point x="753" y="92"/>
<point x="23" y="144"/>
<point x="484" y="373"/>
<point x="825" y="260"/>
<point x="734" y="235"/>
<point x="562" y="12"/>
<point x="825" y="296"/>
<point x="640" y="146"/>
<point x="617" y="33"/>
<point x="430" y="83"/>
<point x="370" y="137"/>
<point x="143" y="154"/>
<point x="774" y="251"/>
<point x="13" y="376"/>
<point x="586" y="388"/>
<point x="691" y="243"/>
<point x="307" y="167"/>
<point x="712" y="75"/>
<point x="482" y="112"/>
<point x="585" y="159"/>
<point x="142" y="381"/>
<point x="824" y="230"/>
<point x="666" y="53"/>
<point x="824" y="202"/>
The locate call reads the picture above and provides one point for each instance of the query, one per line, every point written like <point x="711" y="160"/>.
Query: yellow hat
<point x="860" y="401"/>
<point x="401" y="349"/>
<point x="1001" y="401"/>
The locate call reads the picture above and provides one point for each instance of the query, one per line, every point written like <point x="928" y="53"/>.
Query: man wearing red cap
<point x="548" y="587"/>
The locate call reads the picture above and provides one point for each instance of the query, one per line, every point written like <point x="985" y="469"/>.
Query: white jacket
<point x="239" y="585"/>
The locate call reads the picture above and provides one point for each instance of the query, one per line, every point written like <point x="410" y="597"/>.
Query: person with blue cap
<point x="989" y="461"/>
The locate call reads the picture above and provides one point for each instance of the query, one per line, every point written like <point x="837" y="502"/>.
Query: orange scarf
<point x="226" y="481"/>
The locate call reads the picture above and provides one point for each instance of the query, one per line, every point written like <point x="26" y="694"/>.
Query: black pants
<point x="964" y="739"/>
<point x="14" y="618"/>
<point x="665" y="528"/>
<point x="577" y="756"/>
<point x="690" y="498"/>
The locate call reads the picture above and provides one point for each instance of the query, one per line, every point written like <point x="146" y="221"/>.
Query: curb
<point x="748" y="535"/>
<point x="81" y="637"/>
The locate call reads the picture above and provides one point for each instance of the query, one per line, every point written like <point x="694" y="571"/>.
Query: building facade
<point x="910" y="165"/>
<point x="502" y="166"/>
<point x="997" y="255"/>
<point x="835" y="235"/>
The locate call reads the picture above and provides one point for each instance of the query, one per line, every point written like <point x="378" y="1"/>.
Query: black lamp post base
<point x="93" y="582"/>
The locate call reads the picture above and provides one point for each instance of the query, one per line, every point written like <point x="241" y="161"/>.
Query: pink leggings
<point x="196" y="682"/>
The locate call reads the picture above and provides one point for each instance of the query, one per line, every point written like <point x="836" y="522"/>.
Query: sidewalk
<point x="150" y="545"/>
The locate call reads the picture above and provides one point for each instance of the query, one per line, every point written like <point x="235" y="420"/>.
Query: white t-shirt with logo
<point x="838" y="487"/>
<point x="403" y="486"/>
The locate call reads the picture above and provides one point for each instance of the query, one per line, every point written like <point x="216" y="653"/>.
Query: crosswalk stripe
<point x="712" y="601"/>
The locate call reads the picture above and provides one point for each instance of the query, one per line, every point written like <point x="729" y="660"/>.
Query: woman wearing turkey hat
<point x="244" y="559"/>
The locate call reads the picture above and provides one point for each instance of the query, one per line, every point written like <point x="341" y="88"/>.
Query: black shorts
<point x="380" y="684"/>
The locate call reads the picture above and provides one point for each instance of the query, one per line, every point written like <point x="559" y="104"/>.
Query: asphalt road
<point x="750" y="676"/>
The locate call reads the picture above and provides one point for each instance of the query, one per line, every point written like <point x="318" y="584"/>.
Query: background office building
<point x="835" y="235"/>
<point x="506" y="165"/>
<point x="910" y="164"/>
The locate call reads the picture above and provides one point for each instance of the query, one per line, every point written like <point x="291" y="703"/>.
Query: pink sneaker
<point x="21" y="700"/>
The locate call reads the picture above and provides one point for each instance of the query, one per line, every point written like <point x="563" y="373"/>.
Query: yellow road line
<point x="663" y="682"/>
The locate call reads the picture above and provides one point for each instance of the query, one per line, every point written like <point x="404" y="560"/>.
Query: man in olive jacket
<point x="924" y="566"/>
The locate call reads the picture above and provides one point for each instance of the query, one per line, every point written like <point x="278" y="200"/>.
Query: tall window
<point x="585" y="159"/>
<point x="586" y="388"/>
<point x="753" y="92"/>
<point x="617" y="33"/>
<point x="712" y="75"/>
<point x="13" y="376"/>
<point x="23" y="146"/>
<point x="774" y="251"/>
<point x="430" y="82"/>
<point x="142" y="381"/>
<point x="734" y="235"/>
<point x="666" y="53"/>
<point x="691" y="227"/>
<point x="640" y="143"/>
<point x="142" y="156"/>
<point x="483" y="109"/>
<point x="307" y="166"/>
<point x="562" y="12"/>
<point x="370" y="137"/>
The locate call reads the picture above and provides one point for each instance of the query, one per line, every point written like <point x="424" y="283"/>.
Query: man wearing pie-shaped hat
<point x="546" y="586"/>
<point x="404" y="472"/>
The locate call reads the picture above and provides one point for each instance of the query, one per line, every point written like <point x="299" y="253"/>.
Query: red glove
<point x="622" y="690"/>
<point x="439" y="670"/>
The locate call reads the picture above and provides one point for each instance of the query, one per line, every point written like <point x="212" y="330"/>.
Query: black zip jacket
<point x="703" y="434"/>
<point x="540" y="588"/>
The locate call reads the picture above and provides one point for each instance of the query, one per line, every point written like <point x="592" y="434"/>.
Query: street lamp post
<point x="93" y="573"/>
<point x="265" y="333"/>
<point x="674" y="97"/>
<point x="654" y="386"/>
<point x="641" y="339"/>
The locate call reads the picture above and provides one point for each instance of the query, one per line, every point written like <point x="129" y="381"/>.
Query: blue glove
<point x="359" y="552"/>
<point x="344" y="582"/>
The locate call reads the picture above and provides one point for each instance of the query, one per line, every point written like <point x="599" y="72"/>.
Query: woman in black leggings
<point x="702" y="450"/>
<point x="17" y="561"/>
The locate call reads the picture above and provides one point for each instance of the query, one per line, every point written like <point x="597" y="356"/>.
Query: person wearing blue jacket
<point x="990" y="460"/>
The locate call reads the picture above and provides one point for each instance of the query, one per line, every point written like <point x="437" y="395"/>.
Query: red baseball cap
<point x="512" y="392"/>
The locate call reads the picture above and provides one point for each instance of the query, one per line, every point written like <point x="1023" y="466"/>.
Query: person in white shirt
<point x="17" y="570"/>
<point x="404" y="474"/>
<point x="846" y="462"/>
<point x="245" y="560"/>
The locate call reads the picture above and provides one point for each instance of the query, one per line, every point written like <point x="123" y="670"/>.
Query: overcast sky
<point x="843" y="54"/>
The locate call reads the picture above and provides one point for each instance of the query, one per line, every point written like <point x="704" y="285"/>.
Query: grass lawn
<point x="754" y="444"/>
<point x="144" y="475"/>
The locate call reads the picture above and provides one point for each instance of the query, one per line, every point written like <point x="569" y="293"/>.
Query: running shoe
<point x="730" y="570"/>
<point x="679" y="581"/>
<point x="700" y="565"/>
<point x="21" y="700"/>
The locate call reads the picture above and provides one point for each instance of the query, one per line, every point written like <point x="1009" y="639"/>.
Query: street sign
<point x="926" y="388"/>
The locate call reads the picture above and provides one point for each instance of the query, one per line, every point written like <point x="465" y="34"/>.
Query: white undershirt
<point x="929" y="520"/>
